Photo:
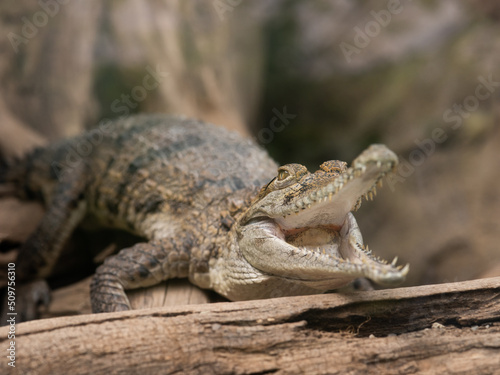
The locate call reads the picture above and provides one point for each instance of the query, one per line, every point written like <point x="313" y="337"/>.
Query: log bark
<point x="447" y="328"/>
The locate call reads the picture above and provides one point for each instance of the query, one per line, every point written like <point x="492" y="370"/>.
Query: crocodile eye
<point x="283" y="174"/>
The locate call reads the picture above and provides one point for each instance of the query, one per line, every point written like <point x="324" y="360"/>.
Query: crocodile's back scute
<point x="172" y="164"/>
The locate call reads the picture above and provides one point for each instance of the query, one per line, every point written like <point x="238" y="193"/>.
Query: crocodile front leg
<point x="38" y="255"/>
<point x="142" y="265"/>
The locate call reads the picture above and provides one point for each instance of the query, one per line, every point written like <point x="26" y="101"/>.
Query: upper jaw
<point x="318" y="199"/>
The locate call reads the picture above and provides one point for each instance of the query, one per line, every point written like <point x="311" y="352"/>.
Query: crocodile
<point x="211" y="206"/>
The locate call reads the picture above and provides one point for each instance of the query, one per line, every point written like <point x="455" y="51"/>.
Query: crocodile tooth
<point x="404" y="269"/>
<point x="357" y="205"/>
<point x="394" y="261"/>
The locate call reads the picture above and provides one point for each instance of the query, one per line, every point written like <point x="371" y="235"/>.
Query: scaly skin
<point x="192" y="190"/>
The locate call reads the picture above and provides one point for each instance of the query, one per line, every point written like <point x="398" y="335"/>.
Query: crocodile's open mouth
<point x="317" y="234"/>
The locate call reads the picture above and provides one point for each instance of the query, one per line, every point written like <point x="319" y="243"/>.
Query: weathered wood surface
<point x="75" y="299"/>
<point x="381" y="332"/>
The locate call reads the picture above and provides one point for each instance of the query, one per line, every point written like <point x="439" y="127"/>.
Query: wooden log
<point x="75" y="298"/>
<point x="447" y="328"/>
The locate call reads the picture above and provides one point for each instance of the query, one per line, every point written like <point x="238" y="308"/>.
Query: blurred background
<point x="309" y="80"/>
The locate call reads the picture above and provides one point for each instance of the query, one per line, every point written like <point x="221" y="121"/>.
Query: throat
<point x="325" y="239"/>
<point x="290" y="233"/>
